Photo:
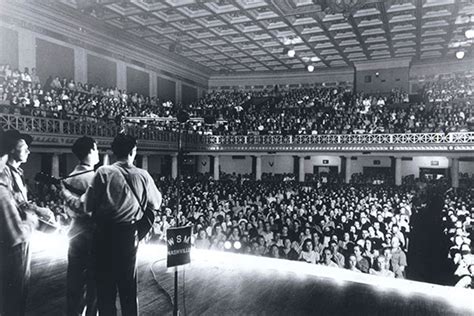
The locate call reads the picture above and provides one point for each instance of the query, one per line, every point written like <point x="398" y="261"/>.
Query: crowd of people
<point x="301" y="111"/>
<point x="458" y="222"/>
<point x="446" y="90"/>
<point x="364" y="228"/>
<point x="66" y="99"/>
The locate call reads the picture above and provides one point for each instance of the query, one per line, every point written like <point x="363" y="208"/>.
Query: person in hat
<point x="118" y="198"/>
<point x="16" y="227"/>
<point x="17" y="147"/>
<point x="80" y="285"/>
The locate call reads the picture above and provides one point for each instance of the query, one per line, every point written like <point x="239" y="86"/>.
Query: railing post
<point x="450" y="137"/>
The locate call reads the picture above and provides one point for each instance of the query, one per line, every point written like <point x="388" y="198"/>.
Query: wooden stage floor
<point x="227" y="284"/>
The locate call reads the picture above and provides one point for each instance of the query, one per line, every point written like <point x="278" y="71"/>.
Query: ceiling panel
<point x="255" y="35"/>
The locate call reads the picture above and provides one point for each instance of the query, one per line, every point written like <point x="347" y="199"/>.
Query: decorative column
<point x="348" y="171"/>
<point x="26" y="49"/>
<point x="121" y="75"/>
<point x="80" y="65"/>
<point x="178" y="92"/>
<point x="398" y="171"/>
<point x="145" y="162"/>
<point x="153" y="84"/>
<point x="55" y="166"/>
<point x="455" y="172"/>
<point x="258" y="167"/>
<point x="174" y="166"/>
<point x="216" y="168"/>
<point x="301" y="168"/>
<point x="106" y="160"/>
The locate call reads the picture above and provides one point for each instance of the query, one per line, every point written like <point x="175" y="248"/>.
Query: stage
<point x="227" y="284"/>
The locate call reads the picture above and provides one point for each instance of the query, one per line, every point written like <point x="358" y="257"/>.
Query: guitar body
<point x="145" y="224"/>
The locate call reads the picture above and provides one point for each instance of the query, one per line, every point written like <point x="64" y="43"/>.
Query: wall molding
<point x="100" y="39"/>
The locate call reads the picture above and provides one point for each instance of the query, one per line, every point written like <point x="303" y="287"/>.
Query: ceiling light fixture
<point x="291" y="53"/>
<point x="310" y="68"/>
<point x="469" y="34"/>
<point x="460" y="54"/>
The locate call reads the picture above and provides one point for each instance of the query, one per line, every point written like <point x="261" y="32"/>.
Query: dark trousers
<point x="81" y="289"/>
<point x="116" y="254"/>
<point x="14" y="279"/>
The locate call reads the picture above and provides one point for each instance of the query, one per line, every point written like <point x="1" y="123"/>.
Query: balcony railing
<point x="62" y="132"/>
<point x="50" y="130"/>
<point x="346" y="139"/>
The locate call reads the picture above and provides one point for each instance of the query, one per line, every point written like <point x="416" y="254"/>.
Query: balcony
<point x="50" y="132"/>
<point x="435" y="142"/>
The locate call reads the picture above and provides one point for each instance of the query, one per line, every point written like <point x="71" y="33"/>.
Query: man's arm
<point x="74" y="201"/>
<point x="94" y="193"/>
<point x="154" y="195"/>
<point x="14" y="229"/>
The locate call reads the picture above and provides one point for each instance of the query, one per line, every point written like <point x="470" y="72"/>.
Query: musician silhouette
<point x="81" y="290"/>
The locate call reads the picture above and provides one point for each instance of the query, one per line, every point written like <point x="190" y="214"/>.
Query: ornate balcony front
<point x="423" y="142"/>
<point x="50" y="132"/>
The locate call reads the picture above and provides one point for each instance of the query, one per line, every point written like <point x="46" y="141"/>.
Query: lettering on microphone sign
<point x="179" y="245"/>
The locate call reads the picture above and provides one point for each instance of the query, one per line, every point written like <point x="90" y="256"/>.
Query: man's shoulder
<point x="5" y="193"/>
<point x="3" y="179"/>
<point x="107" y="169"/>
<point x="145" y="174"/>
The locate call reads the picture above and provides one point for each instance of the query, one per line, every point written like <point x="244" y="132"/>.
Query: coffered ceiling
<point x="255" y="35"/>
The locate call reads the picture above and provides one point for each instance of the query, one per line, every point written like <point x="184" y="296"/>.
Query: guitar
<point x="47" y="179"/>
<point x="145" y="223"/>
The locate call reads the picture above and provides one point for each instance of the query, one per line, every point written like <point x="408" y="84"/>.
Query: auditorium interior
<point x="322" y="151"/>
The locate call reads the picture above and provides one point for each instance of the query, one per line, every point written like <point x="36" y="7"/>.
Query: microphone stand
<point x="178" y="201"/>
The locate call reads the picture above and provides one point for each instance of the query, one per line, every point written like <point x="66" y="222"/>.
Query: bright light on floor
<point x="54" y="245"/>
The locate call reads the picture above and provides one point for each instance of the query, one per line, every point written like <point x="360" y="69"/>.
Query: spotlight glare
<point x="460" y="54"/>
<point x="227" y="245"/>
<point x="310" y="68"/>
<point x="291" y="53"/>
<point x="237" y="245"/>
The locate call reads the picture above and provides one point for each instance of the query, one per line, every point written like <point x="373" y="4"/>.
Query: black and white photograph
<point x="236" y="157"/>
